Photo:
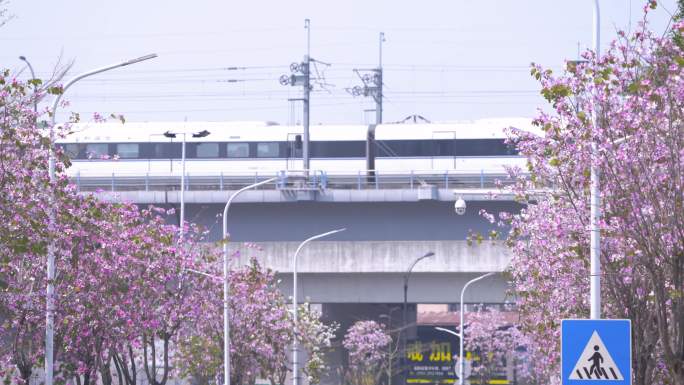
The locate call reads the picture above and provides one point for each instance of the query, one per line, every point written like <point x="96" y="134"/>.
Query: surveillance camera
<point x="460" y="206"/>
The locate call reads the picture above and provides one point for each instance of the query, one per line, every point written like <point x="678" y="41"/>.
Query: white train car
<point x="336" y="148"/>
<point x="100" y="149"/>
<point x="468" y="147"/>
<point x="246" y="148"/>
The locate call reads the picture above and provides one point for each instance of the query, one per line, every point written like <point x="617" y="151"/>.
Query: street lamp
<point x="50" y="311"/>
<point x="594" y="193"/>
<point x="389" y="347"/>
<point x="390" y="356"/>
<point x="461" y="361"/>
<point x="594" y="202"/>
<point x="226" y="287"/>
<point x="466" y="373"/>
<point x="295" y="363"/>
<point x="171" y="135"/>
<point x="457" y="334"/>
<point x="35" y="86"/>
<point x="403" y="332"/>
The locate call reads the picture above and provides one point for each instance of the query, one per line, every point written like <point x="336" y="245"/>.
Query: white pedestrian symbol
<point x="595" y="363"/>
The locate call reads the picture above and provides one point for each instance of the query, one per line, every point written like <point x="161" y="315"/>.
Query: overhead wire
<point x="216" y="87"/>
<point x="222" y="109"/>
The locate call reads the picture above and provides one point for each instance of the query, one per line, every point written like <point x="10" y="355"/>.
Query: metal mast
<point x="372" y="83"/>
<point x="301" y="76"/>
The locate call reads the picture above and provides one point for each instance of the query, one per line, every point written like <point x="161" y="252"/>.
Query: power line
<point x="226" y="31"/>
<point x="217" y="109"/>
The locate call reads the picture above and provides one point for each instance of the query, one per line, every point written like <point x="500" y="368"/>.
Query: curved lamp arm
<point x="295" y="359"/>
<point x="232" y="197"/>
<point x="462" y="322"/>
<point x="93" y="72"/>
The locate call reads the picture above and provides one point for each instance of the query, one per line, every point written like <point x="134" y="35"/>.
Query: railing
<point x="289" y="180"/>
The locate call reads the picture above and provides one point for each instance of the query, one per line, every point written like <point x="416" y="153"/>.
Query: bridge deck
<point x="327" y="187"/>
<point x="361" y="180"/>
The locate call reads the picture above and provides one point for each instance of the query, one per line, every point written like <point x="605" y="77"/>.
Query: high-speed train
<point x="100" y="149"/>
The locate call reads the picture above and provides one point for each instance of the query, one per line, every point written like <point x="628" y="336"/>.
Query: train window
<point x="268" y="150"/>
<point x="166" y="150"/>
<point x="207" y="150"/>
<point x="338" y="149"/>
<point x="471" y="147"/>
<point x="391" y="148"/>
<point x="72" y="150"/>
<point x="444" y="147"/>
<point x="384" y="148"/>
<point x="97" y="150"/>
<point x="483" y="147"/>
<point x="237" y="150"/>
<point x="511" y="148"/>
<point x="157" y="150"/>
<point x="128" y="150"/>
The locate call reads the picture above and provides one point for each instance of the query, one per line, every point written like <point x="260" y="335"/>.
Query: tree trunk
<point x="119" y="374"/>
<point x="25" y="371"/>
<point x="106" y="371"/>
<point x="127" y="375"/>
<point x="152" y="374"/>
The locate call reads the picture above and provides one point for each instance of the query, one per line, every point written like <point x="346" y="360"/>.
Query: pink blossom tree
<point x="261" y="330"/>
<point x="634" y="93"/>
<point x="120" y="280"/>
<point x="125" y="295"/>
<point x="367" y="345"/>
<point x="24" y="202"/>
<point x="115" y="263"/>
<point x="497" y="342"/>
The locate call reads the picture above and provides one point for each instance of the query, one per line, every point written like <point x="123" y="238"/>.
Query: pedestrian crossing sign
<point x="596" y="352"/>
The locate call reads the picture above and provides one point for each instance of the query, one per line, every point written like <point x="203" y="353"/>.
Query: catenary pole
<point x="307" y="96"/>
<point x="378" y="81"/>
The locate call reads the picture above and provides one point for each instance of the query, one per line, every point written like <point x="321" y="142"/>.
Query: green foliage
<point x="556" y="92"/>
<point x="200" y="348"/>
<point x="55" y="90"/>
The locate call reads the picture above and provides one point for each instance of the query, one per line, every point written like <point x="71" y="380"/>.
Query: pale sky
<point x="445" y="60"/>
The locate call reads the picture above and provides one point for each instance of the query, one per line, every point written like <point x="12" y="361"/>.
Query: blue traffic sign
<point x="596" y="352"/>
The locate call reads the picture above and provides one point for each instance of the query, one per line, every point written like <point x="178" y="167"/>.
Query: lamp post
<point x="461" y="361"/>
<point x="171" y="135"/>
<point x="453" y="333"/>
<point x="50" y="311"/>
<point x="226" y="287"/>
<point x="390" y="355"/>
<point x="295" y="362"/>
<point x="35" y="86"/>
<point x="457" y="334"/>
<point x="595" y="210"/>
<point x="403" y="332"/>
